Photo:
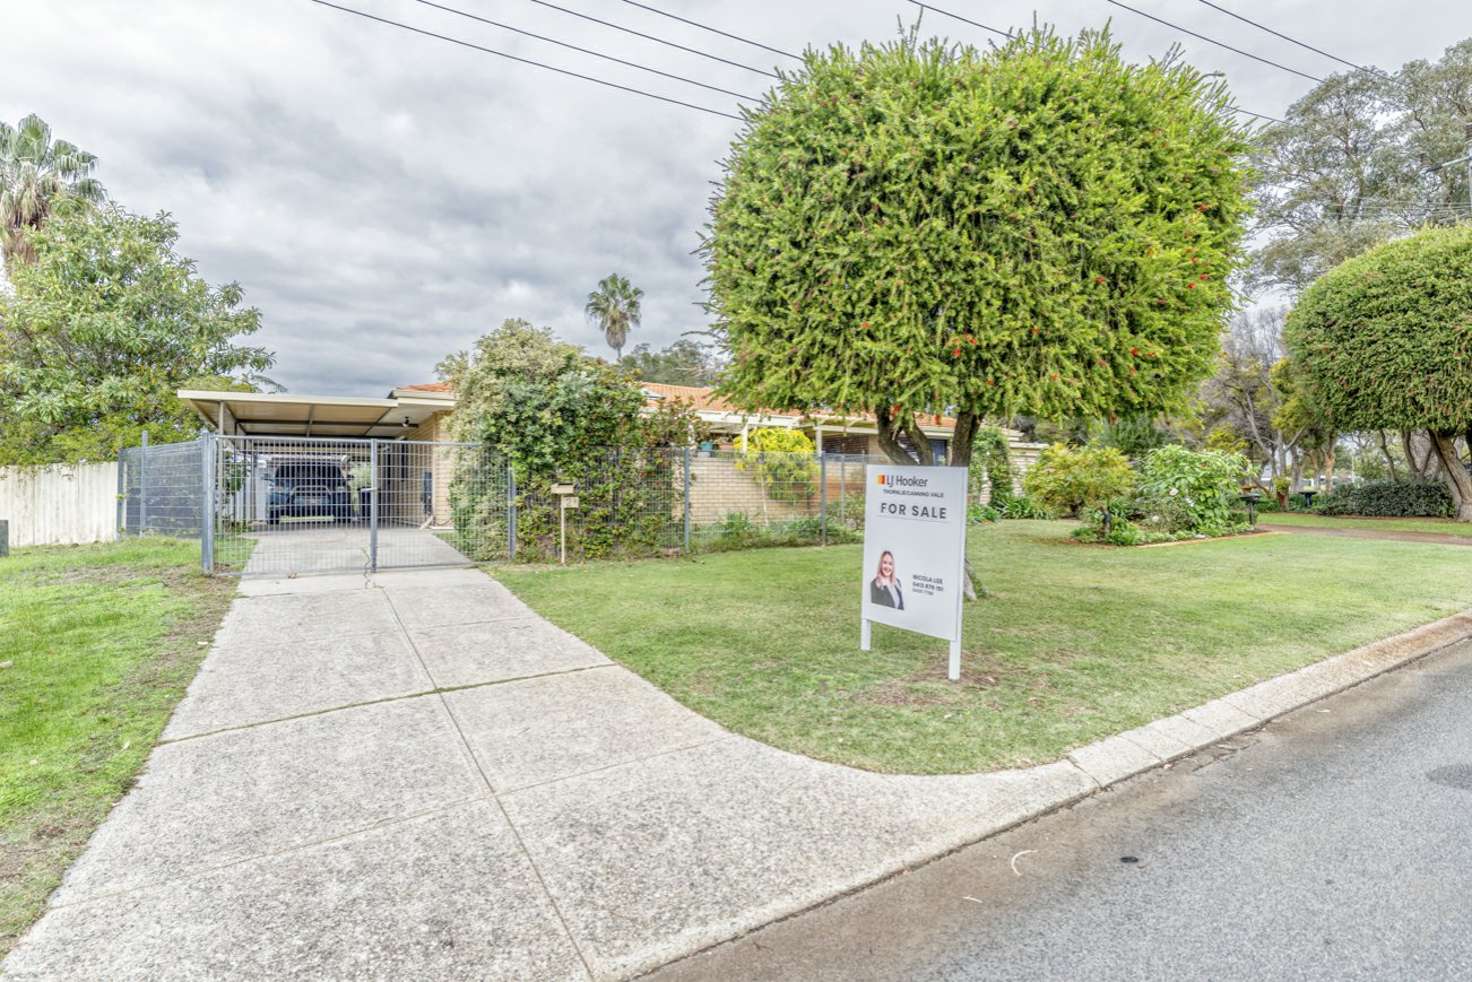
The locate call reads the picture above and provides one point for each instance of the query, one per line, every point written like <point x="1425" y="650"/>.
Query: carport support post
<point x="687" y="500"/>
<point x="373" y="506"/>
<point x="207" y="504"/>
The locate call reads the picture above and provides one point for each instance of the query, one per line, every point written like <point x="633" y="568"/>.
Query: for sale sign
<point x="915" y="551"/>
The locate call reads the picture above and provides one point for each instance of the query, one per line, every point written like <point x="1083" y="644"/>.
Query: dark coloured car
<point x="309" y="489"/>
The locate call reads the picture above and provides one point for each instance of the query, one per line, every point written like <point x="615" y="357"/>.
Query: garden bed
<point x="1073" y="645"/>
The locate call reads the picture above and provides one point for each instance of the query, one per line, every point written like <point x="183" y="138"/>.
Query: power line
<point x="1248" y="112"/>
<point x="527" y="61"/>
<point x="1292" y="40"/>
<point x="1219" y="44"/>
<point x="657" y="40"/>
<point x="964" y="20"/>
<point x="713" y="30"/>
<point x="586" y="51"/>
<point x="1009" y="34"/>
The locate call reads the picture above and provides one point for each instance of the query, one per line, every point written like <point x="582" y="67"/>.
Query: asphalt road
<point x="1335" y="843"/>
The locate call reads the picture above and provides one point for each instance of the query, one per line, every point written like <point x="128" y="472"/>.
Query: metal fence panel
<point x="741" y="500"/>
<point x="162" y="489"/>
<point x="290" y="505"/>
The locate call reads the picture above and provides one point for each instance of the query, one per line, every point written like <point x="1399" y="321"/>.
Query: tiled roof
<point x="703" y="397"/>
<point x="699" y="396"/>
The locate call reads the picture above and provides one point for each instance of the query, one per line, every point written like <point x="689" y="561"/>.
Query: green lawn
<point x="97" y="644"/>
<point x="1076" y="642"/>
<point x="1437" y="526"/>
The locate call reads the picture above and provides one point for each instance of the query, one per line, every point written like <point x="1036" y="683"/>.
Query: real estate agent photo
<point x="884" y="589"/>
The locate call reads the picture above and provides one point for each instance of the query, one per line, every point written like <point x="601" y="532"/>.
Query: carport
<point x="301" y="484"/>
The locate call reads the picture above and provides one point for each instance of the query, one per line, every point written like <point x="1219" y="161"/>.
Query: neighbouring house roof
<point x="430" y="388"/>
<point x="700" y="397"/>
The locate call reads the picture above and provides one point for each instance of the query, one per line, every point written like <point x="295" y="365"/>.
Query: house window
<point x="855" y="445"/>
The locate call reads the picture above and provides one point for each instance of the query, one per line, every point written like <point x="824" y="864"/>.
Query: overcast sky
<point x="384" y="198"/>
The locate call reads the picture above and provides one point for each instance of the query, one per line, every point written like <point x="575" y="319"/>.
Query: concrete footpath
<point x="413" y="775"/>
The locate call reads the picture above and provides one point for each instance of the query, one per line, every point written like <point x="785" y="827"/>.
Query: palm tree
<point x="36" y="172"/>
<point x="614" y="307"/>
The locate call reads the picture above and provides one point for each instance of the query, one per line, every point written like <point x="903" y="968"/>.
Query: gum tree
<point x="1385" y="341"/>
<point x="915" y="228"/>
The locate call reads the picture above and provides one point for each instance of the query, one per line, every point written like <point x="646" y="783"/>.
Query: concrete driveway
<point x="413" y="776"/>
<point x="293" y="548"/>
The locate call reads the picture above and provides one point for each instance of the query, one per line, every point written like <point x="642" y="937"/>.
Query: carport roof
<point x="290" y="414"/>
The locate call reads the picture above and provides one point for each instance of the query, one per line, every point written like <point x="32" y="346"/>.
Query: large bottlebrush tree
<point x="1040" y="228"/>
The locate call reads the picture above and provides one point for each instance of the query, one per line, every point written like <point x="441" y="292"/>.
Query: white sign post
<point x="915" y="552"/>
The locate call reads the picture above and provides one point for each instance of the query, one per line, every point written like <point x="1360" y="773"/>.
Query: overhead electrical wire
<point x="1209" y="40"/>
<point x="1292" y="40"/>
<point x="713" y="30"/>
<point x="1009" y="34"/>
<point x="657" y="40"/>
<point x="964" y="20"/>
<point x="587" y="51"/>
<point x="528" y="61"/>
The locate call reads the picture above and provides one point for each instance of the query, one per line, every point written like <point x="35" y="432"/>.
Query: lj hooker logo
<point x="899" y="480"/>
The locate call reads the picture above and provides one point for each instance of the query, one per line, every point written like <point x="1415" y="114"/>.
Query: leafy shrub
<point x="1022" y="507"/>
<point x="1124" y="532"/>
<point x="976" y="513"/>
<point x="1073" y="478"/>
<point x="738" y="531"/>
<point x="541" y="413"/>
<point x="784" y="460"/>
<point x="991" y="466"/>
<point x="1191" y="490"/>
<point x="1390" y="499"/>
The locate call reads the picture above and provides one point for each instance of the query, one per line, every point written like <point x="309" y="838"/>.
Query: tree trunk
<point x="1389" y="457"/>
<point x="1458" y="481"/>
<point x="887" y="441"/>
<point x="1329" y="468"/>
<point x="919" y="441"/>
<point x="1420" y="466"/>
<point x="964" y="439"/>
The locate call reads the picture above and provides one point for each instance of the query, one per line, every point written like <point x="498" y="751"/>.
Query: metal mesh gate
<point x="292" y="505"/>
<point x="282" y="506"/>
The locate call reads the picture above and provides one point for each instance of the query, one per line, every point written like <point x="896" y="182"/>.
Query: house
<point x="422" y="412"/>
<point x="407" y="434"/>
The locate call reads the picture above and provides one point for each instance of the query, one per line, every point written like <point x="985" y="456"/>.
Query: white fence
<point x="61" y="504"/>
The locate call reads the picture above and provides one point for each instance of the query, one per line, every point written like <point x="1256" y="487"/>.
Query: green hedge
<point x="1389" y="499"/>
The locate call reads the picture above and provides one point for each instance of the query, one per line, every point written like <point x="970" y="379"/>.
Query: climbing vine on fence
<point x="545" y="413"/>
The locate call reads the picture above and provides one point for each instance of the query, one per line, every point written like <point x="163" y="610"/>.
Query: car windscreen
<point x="316" y="473"/>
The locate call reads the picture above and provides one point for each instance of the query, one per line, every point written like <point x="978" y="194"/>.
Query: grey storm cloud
<point x="384" y="198"/>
